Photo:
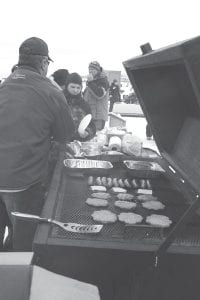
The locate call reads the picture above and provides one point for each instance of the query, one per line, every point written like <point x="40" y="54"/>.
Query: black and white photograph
<point x="99" y="150"/>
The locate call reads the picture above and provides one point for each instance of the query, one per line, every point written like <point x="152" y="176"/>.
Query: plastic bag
<point x="131" y="145"/>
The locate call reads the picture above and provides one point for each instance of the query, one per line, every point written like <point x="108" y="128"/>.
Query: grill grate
<point x="72" y="208"/>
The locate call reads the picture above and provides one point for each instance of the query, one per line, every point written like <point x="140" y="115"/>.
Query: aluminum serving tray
<point x="139" y="165"/>
<point x="143" y="169"/>
<point x="83" y="164"/>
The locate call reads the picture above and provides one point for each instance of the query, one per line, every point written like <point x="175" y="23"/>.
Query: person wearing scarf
<point x="97" y="94"/>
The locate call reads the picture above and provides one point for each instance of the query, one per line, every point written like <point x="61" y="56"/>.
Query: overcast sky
<point x="79" y="31"/>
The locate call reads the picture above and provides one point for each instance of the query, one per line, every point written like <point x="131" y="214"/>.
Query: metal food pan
<point x="143" y="169"/>
<point x="83" y="164"/>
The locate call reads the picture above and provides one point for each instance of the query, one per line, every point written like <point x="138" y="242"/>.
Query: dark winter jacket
<point x="114" y="93"/>
<point x="79" y="109"/>
<point x="32" y="111"/>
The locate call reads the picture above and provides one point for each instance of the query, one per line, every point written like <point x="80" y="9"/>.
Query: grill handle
<point x="29" y="216"/>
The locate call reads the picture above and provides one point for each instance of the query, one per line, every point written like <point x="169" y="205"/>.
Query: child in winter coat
<point x="79" y="107"/>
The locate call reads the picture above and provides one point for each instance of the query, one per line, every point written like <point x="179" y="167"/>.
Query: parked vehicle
<point x="131" y="98"/>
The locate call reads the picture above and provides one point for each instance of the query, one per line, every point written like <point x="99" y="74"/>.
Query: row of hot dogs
<point x="110" y="182"/>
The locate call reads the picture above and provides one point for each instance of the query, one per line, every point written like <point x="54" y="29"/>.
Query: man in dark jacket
<point x="32" y="112"/>
<point x="114" y="94"/>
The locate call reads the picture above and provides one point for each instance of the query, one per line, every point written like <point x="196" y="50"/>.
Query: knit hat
<point x="95" y="65"/>
<point x="74" y="78"/>
<point x="60" y="76"/>
<point x="34" y="46"/>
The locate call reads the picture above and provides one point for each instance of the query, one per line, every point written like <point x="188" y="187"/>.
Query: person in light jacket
<point x="97" y="94"/>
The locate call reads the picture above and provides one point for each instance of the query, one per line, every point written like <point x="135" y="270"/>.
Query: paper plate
<point x="84" y="123"/>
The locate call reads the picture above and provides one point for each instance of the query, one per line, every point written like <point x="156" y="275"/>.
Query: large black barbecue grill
<point x="71" y="206"/>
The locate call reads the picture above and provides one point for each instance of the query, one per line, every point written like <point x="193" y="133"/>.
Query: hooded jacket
<point x="97" y="94"/>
